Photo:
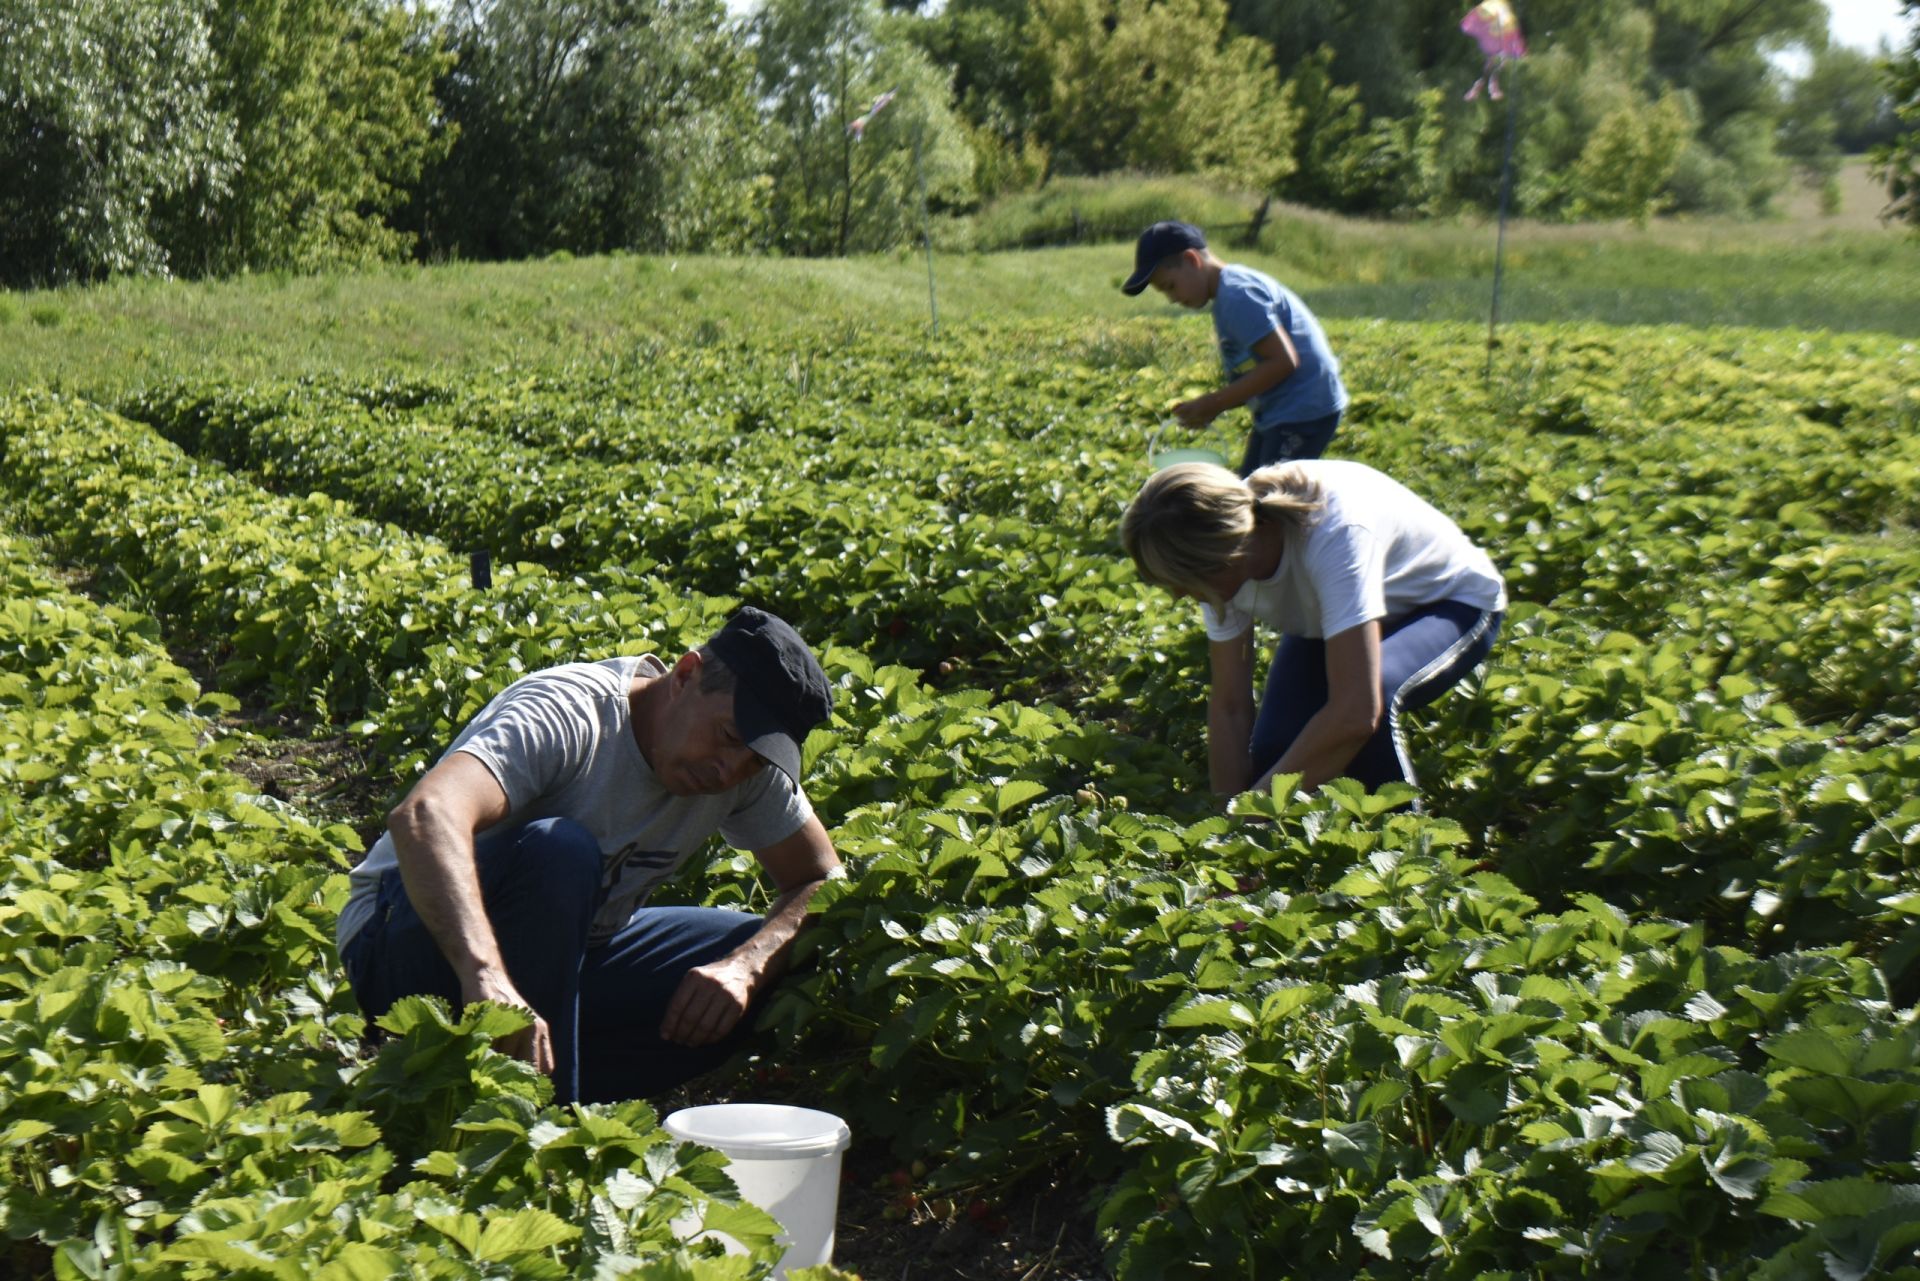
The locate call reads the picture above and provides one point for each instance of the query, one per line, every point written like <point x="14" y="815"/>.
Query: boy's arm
<point x="1275" y="359"/>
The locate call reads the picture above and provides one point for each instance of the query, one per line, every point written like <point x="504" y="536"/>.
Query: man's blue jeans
<point x="1422" y="655"/>
<point x="603" y="1004"/>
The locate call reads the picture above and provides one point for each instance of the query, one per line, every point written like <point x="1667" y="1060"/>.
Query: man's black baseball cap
<point x="779" y="692"/>
<point x="1157" y="244"/>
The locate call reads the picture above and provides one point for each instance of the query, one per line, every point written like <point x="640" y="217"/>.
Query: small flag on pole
<point x="858" y="127"/>
<point x="1496" y="30"/>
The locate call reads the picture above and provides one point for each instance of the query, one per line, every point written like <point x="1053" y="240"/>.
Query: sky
<point x="1861" y="24"/>
<point x="1864" y="23"/>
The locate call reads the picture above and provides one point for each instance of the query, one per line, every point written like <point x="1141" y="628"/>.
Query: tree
<point x="1846" y="86"/>
<point x="1325" y="155"/>
<point x="1380" y="49"/>
<point x="1716" y="53"/>
<point x="822" y="63"/>
<point x="591" y="125"/>
<point x="1838" y="108"/>
<point x="1427" y="162"/>
<point x="1581" y="150"/>
<point x="1161" y="87"/>
<point x="1628" y="160"/>
<point x="334" y="118"/>
<point x="999" y="88"/>
<point x="1595" y="65"/>
<point x="109" y="135"/>
<point x="1897" y="162"/>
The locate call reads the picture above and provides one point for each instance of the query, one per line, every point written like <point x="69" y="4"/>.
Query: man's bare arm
<point x="433" y="831"/>
<point x="713" y="998"/>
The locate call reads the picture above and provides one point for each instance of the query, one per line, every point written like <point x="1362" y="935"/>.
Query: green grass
<point x="1801" y="269"/>
<point x="1069" y="210"/>
<point x="1768" y="275"/>
<point x="1799" y="273"/>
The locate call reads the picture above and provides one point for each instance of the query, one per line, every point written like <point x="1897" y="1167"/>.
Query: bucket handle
<point x="1153" y="445"/>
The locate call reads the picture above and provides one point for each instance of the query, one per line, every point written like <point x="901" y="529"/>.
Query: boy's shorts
<point x="1288" y="442"/>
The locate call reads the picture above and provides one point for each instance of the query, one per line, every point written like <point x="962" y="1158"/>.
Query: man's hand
<point x="533" y="1044"/>
<point x="709" y="1002"/>
<point x="1198" y="412"/>
<point x="712" y="998"/>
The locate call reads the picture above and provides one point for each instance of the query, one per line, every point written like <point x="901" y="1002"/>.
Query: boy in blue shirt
<point x="1276" y="355"/>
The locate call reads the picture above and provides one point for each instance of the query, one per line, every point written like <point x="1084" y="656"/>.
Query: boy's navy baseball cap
<point x="779" y="690"/>
<point x="1157" y="244"/>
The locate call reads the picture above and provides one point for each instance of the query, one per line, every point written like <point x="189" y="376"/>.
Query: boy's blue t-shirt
<point x="1247" y="307"/>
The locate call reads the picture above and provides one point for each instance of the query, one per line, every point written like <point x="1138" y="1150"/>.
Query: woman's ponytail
<point x="1284" y="494"/>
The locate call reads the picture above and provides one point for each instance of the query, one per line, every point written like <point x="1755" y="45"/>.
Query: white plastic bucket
<point x="1158" y="458"/>
<point x="786" y="1160"/>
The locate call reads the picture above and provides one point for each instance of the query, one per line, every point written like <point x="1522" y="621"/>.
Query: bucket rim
<point x="1174" y="457"/>
<point x="1158" y="458"/>
<point x="829" y="1134"/>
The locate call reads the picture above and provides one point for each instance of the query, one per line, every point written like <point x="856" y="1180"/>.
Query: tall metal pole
<point x="1500" y="241"/>
<point x="926" y="236"/>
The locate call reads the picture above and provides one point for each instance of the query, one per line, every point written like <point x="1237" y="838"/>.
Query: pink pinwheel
<point x="858" y="126"/>
<point x="1494" y="27"/>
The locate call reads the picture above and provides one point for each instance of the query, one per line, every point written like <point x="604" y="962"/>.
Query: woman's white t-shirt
<point x="1375" y="550"/>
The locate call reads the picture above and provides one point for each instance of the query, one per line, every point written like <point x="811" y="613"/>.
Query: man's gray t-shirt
<point x="1248" y="306"/>
<point x="560" y="744"/>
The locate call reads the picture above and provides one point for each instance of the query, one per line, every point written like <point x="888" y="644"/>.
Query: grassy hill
<point x="1800" y="271"/>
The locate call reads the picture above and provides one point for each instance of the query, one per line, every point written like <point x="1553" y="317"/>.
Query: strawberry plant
<point x="1635" y="991"/>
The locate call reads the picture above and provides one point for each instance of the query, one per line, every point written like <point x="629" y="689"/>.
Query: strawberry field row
<point x="949" y="538"/>
<point x="175" y="1024"/>
<point x="355" y="619"/>
<point x="864" y="558"/>
<point x="1661" y="721"/>
<point x="1077" y="956"/>
<point x="1317" y="1031"/>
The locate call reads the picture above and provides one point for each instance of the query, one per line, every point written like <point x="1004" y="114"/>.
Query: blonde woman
<point x="1382" y="604"/>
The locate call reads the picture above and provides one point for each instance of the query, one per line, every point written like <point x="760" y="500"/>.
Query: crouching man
<point x="518" y="868"/>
